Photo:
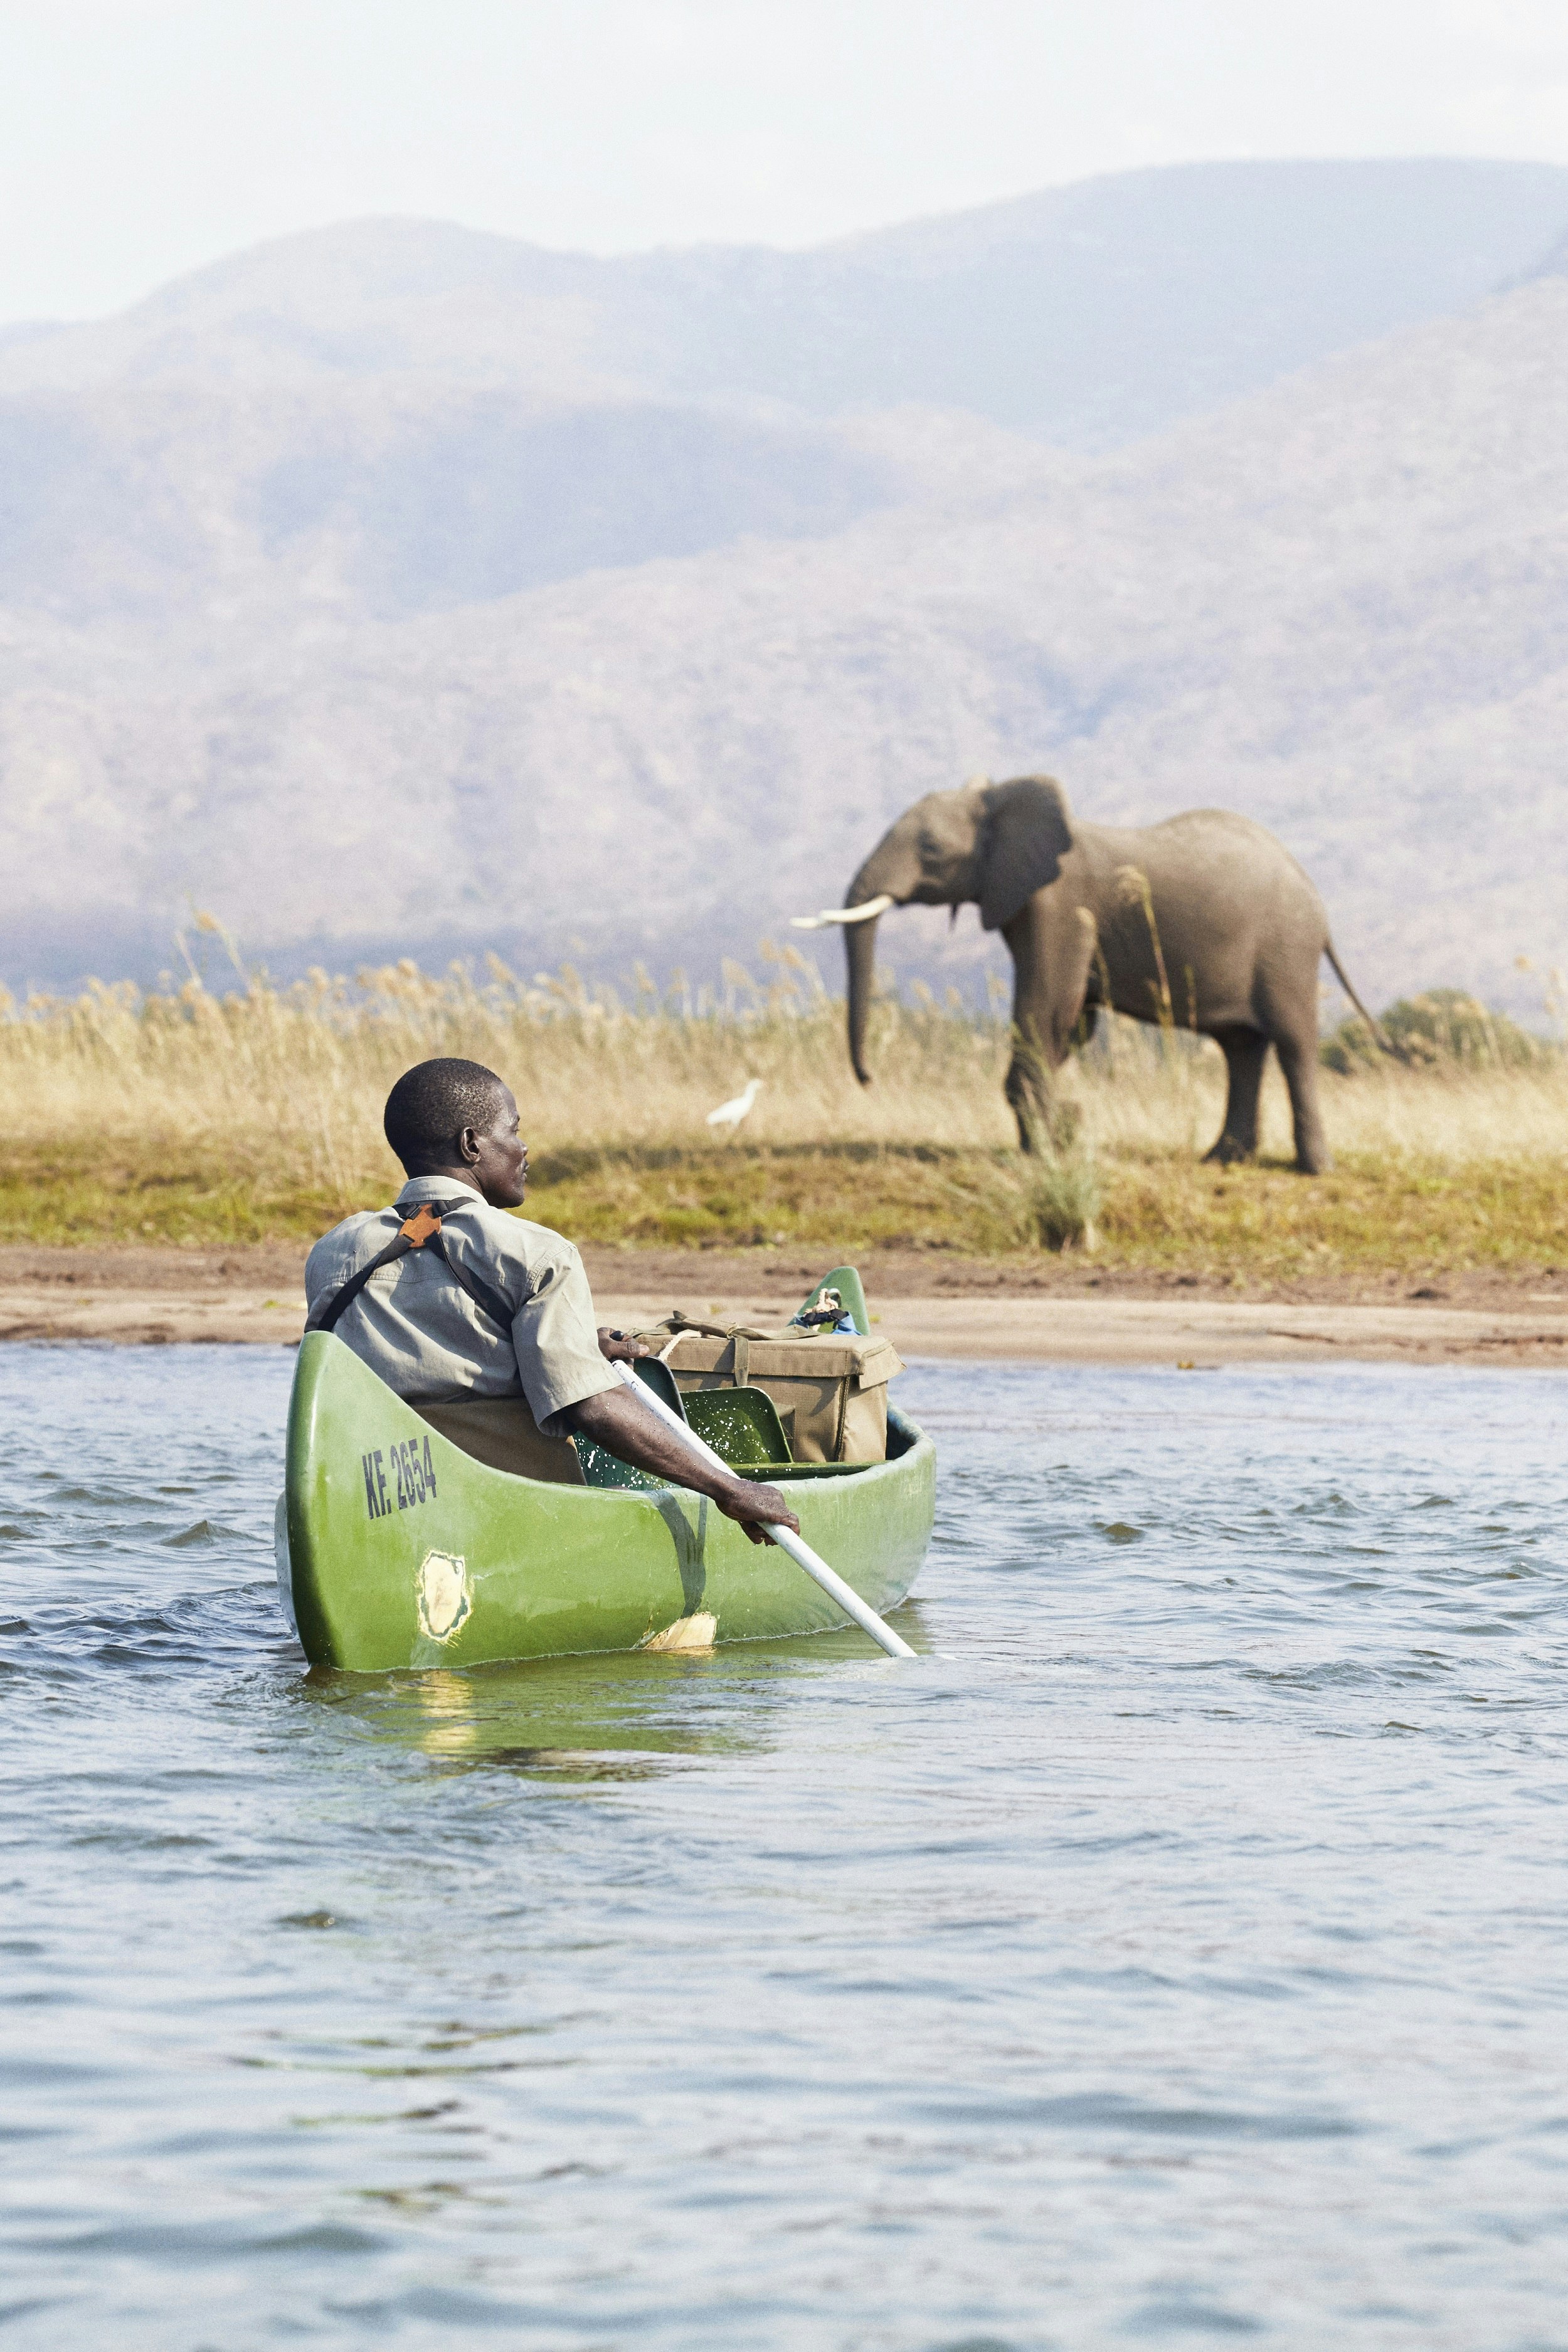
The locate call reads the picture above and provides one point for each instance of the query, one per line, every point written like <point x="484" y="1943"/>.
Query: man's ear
<point x="1026" y="833"/>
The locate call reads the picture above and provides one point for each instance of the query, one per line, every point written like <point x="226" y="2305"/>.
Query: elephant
<point x="1203" y="922"/>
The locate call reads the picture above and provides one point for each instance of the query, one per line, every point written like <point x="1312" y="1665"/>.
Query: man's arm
<point x="623" y="1423"/>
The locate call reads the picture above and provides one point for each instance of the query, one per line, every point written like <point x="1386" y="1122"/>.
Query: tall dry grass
<point x="1147" y="1097"/>
<point x="303" y="1071"/>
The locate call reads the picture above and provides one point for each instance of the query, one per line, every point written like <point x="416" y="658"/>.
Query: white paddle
<point x="799" y="1551"/>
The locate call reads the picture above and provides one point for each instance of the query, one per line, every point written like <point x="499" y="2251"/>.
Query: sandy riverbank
<point x="929" y="1305"/>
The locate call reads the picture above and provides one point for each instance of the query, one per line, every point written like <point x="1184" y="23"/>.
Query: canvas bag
<point x="830" y="1388"/>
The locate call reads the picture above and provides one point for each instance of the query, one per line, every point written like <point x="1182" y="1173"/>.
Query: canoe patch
<point x="697" y="1632"/>
<point x="442" y="1585"/>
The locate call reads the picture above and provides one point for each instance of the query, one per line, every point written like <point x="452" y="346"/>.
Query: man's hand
<point x="620" y="1422"/>
<point x="621" y="1347"/>
<point x="757" y="1509"/>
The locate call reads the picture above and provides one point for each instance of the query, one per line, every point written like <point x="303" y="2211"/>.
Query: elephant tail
<point x="1378" y="1031"/>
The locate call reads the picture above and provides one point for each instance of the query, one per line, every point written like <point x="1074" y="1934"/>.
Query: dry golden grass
<point x="201" y="1116"/>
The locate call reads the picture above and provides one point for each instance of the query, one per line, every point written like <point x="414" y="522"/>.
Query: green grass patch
<point x="1371" y="1215"/>
<point x="1375" y="1213"/>
<point x="181" y="1198"/>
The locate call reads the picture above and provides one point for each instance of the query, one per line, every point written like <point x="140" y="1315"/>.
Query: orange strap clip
<point x="418" y="1229"/>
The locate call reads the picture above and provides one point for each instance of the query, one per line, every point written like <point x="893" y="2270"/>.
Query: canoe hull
<point x="403" y="1551"/>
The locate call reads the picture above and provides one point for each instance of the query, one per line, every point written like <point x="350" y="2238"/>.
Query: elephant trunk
<point x="860" y="946"/>
<point x="889" y="875"/>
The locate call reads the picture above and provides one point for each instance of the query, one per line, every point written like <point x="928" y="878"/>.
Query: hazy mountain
<point x="1092" y="315"/>
<point x="401" y="589"/>
<point x="1086" y="316"/>
<point x="147" y="504"/>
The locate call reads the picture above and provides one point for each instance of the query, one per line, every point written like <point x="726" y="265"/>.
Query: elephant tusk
<point x="863" y="914"/>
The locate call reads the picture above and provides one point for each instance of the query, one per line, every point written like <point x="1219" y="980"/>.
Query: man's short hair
<point x="432" y="1102"/>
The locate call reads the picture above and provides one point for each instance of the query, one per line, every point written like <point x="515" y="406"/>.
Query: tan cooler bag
<point x="831" y="1390"/>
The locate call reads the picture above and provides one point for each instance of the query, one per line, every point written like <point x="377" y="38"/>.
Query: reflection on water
<point x="588" y="1719"/>
<point x="1175" y="1952"/>
<point x="591" y="1719"/>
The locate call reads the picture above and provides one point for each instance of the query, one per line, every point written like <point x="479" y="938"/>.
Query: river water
<point x="1178" y="1951"/>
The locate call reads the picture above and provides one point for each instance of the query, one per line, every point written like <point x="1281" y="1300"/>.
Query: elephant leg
<point x="1299" y="1060"/>
<point x="1051" y="964"/>
<point x="1245" y="1051"/>
<point x="1030" y="1095"/>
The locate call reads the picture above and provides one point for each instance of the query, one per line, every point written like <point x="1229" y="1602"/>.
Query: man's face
<point x="500" y="1162"/>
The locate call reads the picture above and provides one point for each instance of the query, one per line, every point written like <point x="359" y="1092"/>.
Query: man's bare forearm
<point x="620" y="1422"/>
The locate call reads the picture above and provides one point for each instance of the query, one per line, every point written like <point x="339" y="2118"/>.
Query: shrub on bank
<point x="1441" y="1027"/>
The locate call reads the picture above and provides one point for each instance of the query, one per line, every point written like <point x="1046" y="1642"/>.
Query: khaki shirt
<point x="426" y="1337"/>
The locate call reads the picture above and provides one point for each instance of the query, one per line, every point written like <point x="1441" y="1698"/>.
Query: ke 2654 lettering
<point x="412" y="1474"/>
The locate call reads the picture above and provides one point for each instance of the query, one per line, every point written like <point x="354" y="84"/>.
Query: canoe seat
<point x="603" y="1469"/>
<point x="742" y="1425"/>
<point x="658" y="1377"/>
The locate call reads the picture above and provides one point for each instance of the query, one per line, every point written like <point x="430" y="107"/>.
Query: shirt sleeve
<point x="317" y="1274"/>
<point x="335" y="1256"/>
<point x="557" y="1342"/>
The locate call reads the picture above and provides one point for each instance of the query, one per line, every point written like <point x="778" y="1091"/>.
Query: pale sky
<point x="139" y="138"/>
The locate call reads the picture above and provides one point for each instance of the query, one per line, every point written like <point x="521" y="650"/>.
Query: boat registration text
<point x="412" y="1474"/>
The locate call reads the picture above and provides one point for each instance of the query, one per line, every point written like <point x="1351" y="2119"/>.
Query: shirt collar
<point x="434" y="1188"/>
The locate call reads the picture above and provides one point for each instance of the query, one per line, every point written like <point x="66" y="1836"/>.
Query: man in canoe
<point x="483" y="1322"/>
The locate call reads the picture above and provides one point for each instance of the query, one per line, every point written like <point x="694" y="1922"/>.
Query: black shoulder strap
<point x="420" y="1230"/>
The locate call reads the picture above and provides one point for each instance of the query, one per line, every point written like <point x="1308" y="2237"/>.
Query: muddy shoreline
<point x="930" y="1303"/>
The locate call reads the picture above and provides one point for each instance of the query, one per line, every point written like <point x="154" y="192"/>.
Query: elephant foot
<point x="1316" y="1163"/>
<point x="1230" y="1152"/>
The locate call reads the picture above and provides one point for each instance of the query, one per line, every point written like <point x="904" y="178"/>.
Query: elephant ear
<point x="1027" y="832"/>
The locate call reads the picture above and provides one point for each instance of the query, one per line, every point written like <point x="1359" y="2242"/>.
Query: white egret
<point x="729" y="1114"/>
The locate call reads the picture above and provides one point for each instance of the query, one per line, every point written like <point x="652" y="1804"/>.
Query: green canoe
<point x="395" y="1548"/>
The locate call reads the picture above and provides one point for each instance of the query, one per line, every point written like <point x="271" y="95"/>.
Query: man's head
<point x="449" y="1118"/>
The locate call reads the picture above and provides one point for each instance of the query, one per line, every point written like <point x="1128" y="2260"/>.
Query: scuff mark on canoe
<point x="699" y="1631"/>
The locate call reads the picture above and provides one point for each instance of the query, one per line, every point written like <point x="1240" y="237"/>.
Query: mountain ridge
<point x="1335" y="602"/>
<point x="1221" y="275"/>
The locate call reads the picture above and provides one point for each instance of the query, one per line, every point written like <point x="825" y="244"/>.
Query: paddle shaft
<point x="799" y="1551"/>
